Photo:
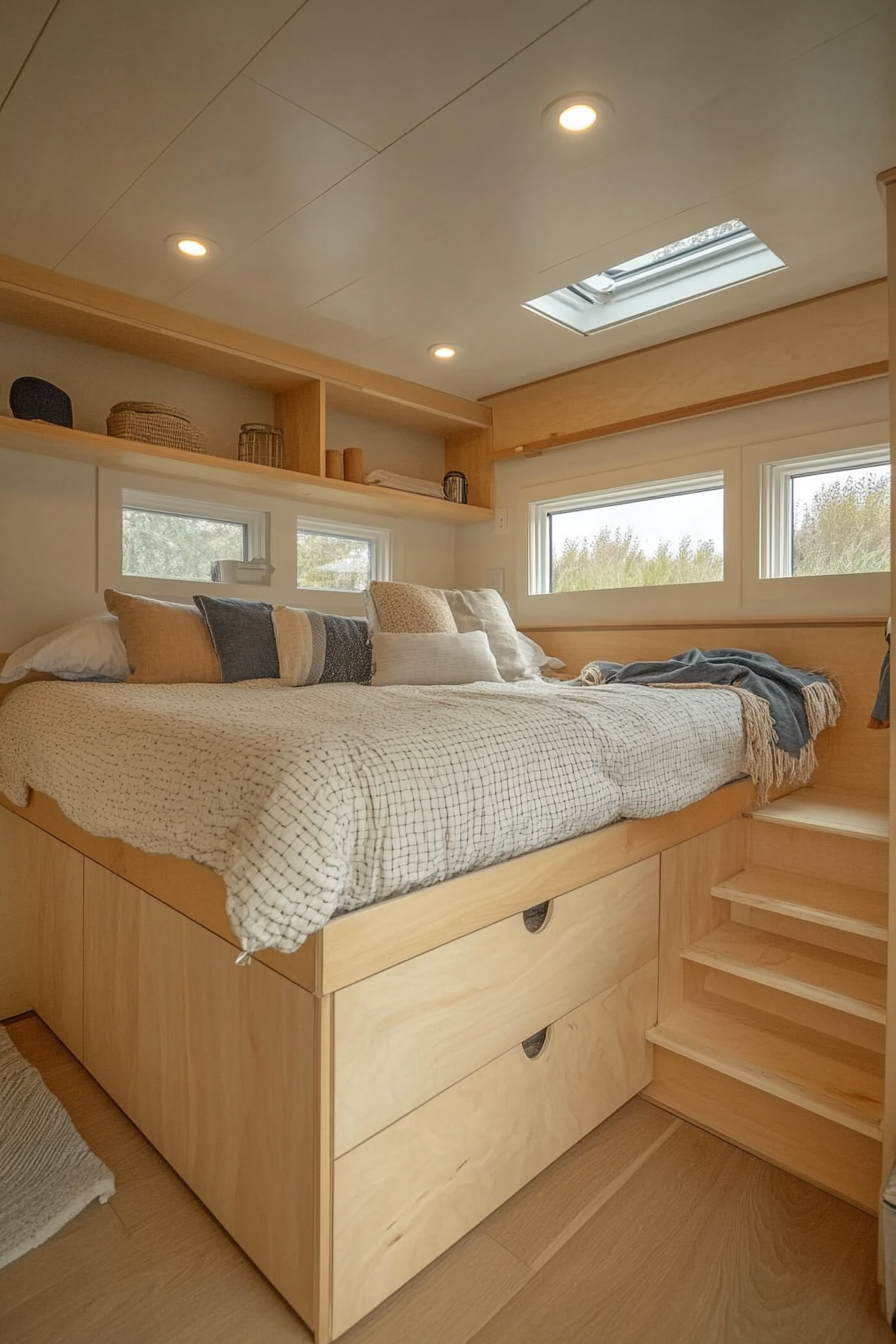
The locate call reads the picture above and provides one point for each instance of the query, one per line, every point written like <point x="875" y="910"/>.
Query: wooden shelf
<point x="34" y="436"/>
<point x="833" y="904"/>
<point x="814" y="1071"/>
<point x="831" y="811"/>
<point x="850" y="984"/>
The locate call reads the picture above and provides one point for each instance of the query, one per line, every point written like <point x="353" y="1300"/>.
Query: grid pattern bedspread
<point x="322" y="799"/>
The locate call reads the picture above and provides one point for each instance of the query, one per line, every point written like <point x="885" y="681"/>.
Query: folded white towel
<point x="391" y="480"/>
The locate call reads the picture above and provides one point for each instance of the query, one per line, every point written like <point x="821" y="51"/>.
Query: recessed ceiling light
<point x="189" y="245"/>
<point x="578" y="111"/>
<point x="443" y="351"/>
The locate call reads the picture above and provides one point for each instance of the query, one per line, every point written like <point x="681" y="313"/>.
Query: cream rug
<point x="47" y="1172"/>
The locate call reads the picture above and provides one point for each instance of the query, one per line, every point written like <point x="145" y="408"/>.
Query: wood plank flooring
<point x="647" y="1232"/>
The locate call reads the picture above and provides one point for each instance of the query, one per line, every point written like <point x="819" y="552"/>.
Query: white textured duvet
<point x="315" y="800"/>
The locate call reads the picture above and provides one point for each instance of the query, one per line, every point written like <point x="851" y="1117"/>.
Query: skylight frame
<point x="629" y="290"/>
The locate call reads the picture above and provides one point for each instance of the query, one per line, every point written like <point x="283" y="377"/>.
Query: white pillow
<point x="534" y="655"/>
<point x="91" y="647"/>
<point x="432" y="660"/>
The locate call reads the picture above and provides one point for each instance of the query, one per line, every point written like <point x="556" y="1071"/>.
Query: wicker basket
<point x="153" y="422"/>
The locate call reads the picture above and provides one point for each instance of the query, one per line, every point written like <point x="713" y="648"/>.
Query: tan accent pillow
<point x="411" y="609"/>
<point x="165" y="643"/>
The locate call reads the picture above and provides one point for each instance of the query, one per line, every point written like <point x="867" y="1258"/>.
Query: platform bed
<point x="350" y="1111"/>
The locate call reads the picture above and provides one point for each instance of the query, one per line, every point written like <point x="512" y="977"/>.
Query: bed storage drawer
<point x="411" y="1191"/>
<point x="406" y="1034"/>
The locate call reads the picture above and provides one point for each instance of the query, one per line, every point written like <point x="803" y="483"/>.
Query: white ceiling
<point x="377" y="176"/>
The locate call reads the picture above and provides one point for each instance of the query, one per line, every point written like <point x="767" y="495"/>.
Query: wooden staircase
<point x="772" y="1003"/>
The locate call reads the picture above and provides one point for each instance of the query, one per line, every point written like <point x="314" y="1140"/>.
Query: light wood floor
<point x="648" y="1232"/>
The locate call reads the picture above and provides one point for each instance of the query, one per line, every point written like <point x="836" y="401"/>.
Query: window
<point x="826" y="515"/>
<point x="167" y="538"/>
<point x="344" y="559"/>
<point x="715" y="258"/>
<point x="663" y="532"/>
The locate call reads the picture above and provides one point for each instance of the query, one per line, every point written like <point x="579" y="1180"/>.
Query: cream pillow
<point x="485" y="609"/>
<point x="436" y="659"/>
<point x="165" y="642"/>
<point x="410" y="608"/>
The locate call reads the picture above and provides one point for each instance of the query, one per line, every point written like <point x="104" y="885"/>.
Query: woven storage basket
<point x="153" y="422"/>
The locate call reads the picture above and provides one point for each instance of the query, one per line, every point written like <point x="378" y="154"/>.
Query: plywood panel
<point x="687" y="910"/>
<point x="837" y="1159"/>
<point x="42" y="891"/>
<point x="406" y="1195"/>
<point x="16" y="984"/>
<point x="850" y="756"/>
<point x="835" y="338"/>
<point x="215" y="1064"/>
<point x="408" y="1033"/>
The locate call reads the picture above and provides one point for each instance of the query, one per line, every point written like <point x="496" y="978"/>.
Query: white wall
<point x="682" y="447"/>
<point x="49" y="519"/>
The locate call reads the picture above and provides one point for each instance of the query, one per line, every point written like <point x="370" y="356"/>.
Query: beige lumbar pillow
<point x="436" y="659"/>
<point x="410" y="609"/>
<point x="165" y="643"/>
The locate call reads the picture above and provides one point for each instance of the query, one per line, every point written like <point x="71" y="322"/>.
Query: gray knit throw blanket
<point x="784" y="708"/>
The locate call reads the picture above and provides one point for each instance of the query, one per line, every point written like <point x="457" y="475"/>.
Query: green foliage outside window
<point x="171" y="546"/>
<point x="844" y="529"/>
<point x="341" y="563"/>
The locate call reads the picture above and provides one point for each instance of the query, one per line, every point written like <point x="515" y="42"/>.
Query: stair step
<point x="831" y="810"/>
<point x="851" y="909"/>
<point x="808" y="1068"/>
<point x="835" y="979"/>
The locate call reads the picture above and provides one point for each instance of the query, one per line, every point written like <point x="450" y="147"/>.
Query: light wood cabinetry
<point x="404" y="1196"/>
<point x="408" y="1033"/>
<point x="304" y="385"/>
<point x="216" y="1067"/>
<point x="41" y="906"/>
<point x="773" y="985"/>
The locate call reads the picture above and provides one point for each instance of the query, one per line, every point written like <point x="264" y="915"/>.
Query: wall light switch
<point x="502" y="519"/>
<point x="494" y="578"/>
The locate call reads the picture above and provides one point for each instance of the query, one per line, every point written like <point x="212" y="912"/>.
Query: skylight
<point x="713" y="259"/>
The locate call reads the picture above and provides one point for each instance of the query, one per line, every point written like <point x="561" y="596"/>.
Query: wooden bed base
<point x="352" y="1110"/>
<point x="349" y="1112"/>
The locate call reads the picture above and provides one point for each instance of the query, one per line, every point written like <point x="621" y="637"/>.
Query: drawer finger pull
<point x="536" y="916"/>
<point x="533" y="1045"/>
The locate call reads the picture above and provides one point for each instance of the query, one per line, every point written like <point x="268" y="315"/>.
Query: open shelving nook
<point x="304" y="386"/>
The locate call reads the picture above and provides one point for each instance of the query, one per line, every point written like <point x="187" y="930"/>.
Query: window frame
<point x="380" y="550"/>
<point x="810" y="595"/>
<point x="540" y="513"/>
<point x="605" y="299"/>
<point x="256" y="543"/>
<point x="776" y="503"/>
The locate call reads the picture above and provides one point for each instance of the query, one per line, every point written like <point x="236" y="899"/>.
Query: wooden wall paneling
<point x="469" y="451"/>
<point x="839" y="337"/>
<point x="408" y="1033"/>
<point x="687" y="910"/>
<point x="215" y="1065"/>
<point x="46" y="881"/>
<point x="850" y="756"/>
<point x="16" y="982"/>
<point x="302" y="415"/>
<point x="839" y="1160"/>
<point x="404" y="1196"/>
<point x="888" y="184"/>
